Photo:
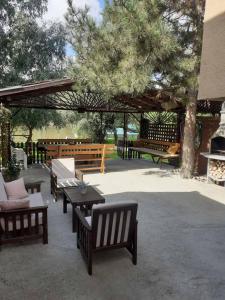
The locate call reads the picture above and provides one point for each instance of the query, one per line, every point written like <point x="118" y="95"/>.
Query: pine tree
<point x="142" y="44"/>
<point x="120" y="54"/>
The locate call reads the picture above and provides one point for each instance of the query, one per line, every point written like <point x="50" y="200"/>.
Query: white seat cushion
<point x="36" y="200"/>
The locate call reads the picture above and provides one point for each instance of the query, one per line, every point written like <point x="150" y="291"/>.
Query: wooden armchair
<point x="110" y="226"/>
<point x="64" y="174"/>
<point x="27" y="223"/>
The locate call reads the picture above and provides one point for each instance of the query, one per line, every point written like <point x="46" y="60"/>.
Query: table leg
<point x="64" y="204"/>
<point x="88" y="209"/>
<point x="74" y="225"/>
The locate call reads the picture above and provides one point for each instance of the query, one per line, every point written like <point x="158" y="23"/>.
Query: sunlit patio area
<point x="181" y="244"/>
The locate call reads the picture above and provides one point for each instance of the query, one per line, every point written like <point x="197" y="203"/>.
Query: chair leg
<point x="45" y="227"/>
<point x="90" y="263"/>
<point x="78" y="246"/>
<point x="89" y="253"/>
<point x="134" y="247"/>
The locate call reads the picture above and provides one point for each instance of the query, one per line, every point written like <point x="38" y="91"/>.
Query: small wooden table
<point x="73" y="196"/>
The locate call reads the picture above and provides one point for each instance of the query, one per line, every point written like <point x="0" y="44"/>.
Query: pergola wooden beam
<point x="60" y="94"/>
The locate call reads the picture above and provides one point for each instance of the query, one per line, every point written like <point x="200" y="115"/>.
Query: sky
<point x="57" y="10"/>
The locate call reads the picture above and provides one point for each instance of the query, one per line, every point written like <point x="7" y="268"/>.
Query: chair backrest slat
<point x="109" y="230"/>
<point x="103" y="231"/>
<point x="124" y="226"/>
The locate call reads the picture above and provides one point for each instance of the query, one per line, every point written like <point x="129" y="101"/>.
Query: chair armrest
<point x="82" y="219"/>
<point x="23" y="211"/>
<point x="33" y="187"/>
<point x="53" y="176"/>
<point x="79" y="175"/>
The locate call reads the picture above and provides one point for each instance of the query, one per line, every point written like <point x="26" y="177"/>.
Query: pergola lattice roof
<point x="59" y="94"/>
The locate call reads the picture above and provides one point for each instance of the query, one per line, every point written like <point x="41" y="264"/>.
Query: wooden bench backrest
<point x="52" y="152"/>
<point x="85" y="149"/>
<point x="157" y="145"/>
<point x="63" y="141"/>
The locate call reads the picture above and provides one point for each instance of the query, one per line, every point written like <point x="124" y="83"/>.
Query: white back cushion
<point x="3" y="195"/>
<point x="63" y="167"/>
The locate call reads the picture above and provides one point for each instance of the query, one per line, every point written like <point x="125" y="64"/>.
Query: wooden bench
<point x="88" y="157"/>
<point x="159" y="150"/>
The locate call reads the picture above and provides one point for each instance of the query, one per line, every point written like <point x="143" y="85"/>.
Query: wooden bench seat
<point x="159" y="150"/>
<point x="91" y="159"/>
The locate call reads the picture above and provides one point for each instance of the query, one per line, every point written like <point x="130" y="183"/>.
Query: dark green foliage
<point x="161" y="117"/>
<point x="100" y="124"/>
<point x="5" y="115"/>
<point x="121" y="54"/>
<point x="31" y="119"/>
<point x="29" y="50"/>
<point x="12" y="170"/>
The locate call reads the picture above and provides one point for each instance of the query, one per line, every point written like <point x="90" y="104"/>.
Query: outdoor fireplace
<point x="218" y="145"/>
<point x="216" y="155"/>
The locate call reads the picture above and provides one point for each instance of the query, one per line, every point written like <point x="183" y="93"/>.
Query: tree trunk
<point x="29" y="139"/>
<point x="188" y="153"/>
<point x="29" y="145"/>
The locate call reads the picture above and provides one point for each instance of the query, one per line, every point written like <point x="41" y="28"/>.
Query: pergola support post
<point x="144" y="127"/>
<point x="5" y="144"/>
<point x="180" y="121"/>
<point x="125" y="122"/>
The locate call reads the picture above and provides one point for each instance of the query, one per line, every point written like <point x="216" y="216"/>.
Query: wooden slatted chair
<point x="18" y="225"/>
<point x="64" y="174"/>
<point x="110" y="226"/>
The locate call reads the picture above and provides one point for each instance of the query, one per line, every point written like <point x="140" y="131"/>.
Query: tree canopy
<point x="138" y="44"/>
<point x="122" y="54"/>
<point x="29" y="50"/>
<point x="30" y="119"/>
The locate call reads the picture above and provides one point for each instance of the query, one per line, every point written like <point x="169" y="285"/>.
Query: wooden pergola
<point x="60" y="94"/>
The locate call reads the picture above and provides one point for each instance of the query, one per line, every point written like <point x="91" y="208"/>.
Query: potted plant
<point x="82" y="187"/>
<point x="12" y="171"/>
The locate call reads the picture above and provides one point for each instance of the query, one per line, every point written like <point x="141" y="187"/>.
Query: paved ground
<point x="181" y="243"/>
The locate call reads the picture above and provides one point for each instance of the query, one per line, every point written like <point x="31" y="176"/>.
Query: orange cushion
<point x="173" y="148"/>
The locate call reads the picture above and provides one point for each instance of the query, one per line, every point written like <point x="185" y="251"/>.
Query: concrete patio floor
<point x="181" y="243"/>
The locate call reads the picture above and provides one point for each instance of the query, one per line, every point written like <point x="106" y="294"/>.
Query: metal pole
<point x="125" y="117"/>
